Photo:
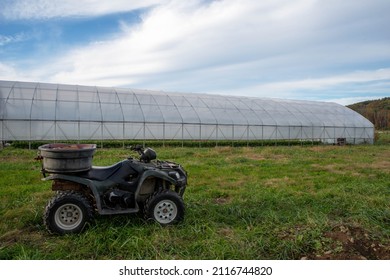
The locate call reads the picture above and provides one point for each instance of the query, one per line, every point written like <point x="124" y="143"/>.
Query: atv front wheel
<point x="165" y="207"/>
<point x="67" y="212"/>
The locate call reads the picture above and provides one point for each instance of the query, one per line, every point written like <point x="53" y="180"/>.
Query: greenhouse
<point x="58" y="112"/>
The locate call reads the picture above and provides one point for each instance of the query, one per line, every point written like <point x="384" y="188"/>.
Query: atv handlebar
<point x="138" y="148"/>
<point x="146" y="154"/>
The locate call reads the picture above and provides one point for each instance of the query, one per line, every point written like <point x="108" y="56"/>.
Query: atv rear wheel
<point x="165" y="207"/>
<point x="67" y="212"/>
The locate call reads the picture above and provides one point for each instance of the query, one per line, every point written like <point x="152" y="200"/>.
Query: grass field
<point x="313" y="202"/>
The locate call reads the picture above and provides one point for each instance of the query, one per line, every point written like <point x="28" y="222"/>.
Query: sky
<point x="320" y="50"/>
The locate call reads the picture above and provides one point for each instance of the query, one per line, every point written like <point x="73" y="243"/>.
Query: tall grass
<point x="241" y="203"/>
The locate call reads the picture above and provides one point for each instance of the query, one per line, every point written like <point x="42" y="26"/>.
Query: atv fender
<point x="81" y="181"/>
<point x="152" y="173"/>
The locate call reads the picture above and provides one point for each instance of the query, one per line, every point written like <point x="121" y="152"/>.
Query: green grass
<point x="241" y="203"/>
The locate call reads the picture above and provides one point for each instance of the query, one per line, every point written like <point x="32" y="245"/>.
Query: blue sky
<point x="331" y="50"/>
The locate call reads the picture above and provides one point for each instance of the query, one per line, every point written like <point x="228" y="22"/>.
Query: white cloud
<point x="10" y="72"/>
<point x="326" y="82"/>
<point x="186" y="36"/>
<point x="243" y="47"/>
<point x="7" y="72"/>
<point x="352" y="100"/>
<point x="9" y="39"/>
<point x="46" y="9"/>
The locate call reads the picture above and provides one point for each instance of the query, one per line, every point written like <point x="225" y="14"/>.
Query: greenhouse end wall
<point x="57" y="112"/>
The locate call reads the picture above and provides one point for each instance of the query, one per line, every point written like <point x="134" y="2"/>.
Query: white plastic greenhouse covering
<point x="41" y="111"/>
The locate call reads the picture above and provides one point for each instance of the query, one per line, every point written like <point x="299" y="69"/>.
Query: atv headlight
<point x="174" y="175"/>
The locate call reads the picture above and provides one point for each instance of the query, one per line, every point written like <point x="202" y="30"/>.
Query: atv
<point x="145" y="185"/>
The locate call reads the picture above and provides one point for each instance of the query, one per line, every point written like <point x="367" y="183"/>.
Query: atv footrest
<point x="115" y="211"/>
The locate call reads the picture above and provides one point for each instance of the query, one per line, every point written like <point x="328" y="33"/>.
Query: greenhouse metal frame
<point x="57" y="112"/>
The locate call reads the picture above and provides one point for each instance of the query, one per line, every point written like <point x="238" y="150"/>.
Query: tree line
<point x="376" y="111"/>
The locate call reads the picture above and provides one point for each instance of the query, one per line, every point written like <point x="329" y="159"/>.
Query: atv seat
<point x="99" y="173"/>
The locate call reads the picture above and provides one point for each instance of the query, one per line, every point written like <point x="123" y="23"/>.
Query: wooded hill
<point x="377" y="111"/>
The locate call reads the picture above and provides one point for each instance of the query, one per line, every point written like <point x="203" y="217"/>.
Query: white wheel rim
<point x="68" y="216"/>
<point x="165" y="211"/>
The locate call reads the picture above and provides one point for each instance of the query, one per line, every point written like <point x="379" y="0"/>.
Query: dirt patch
<point x="340" y="169"/>
<point x="226" y="232"/>
<point x="330" y="168"/>
<point x="381" y="165"/>
<point x="352" y="243"/>
<point x="222" y="150"/>
<point x="26" y="235"/>
<point x="277" y="182"/>
<point x="222" y="200"/>
<point x="283" y="159"/>
<point x="252" y="154"/>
